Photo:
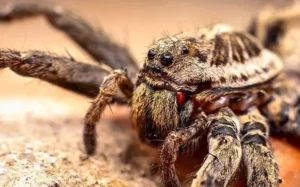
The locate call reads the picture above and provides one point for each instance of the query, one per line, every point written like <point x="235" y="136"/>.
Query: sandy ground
<point x="40" y="124"/>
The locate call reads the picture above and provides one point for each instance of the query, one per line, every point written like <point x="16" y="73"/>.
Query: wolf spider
<point x="213" y="82"/>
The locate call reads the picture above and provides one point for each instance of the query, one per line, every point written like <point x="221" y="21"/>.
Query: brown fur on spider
<point x="212" y="82"/>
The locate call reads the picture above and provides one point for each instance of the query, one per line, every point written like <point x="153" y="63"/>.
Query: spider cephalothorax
<point x="213" y="82"/>
<point x="200" y="71"/>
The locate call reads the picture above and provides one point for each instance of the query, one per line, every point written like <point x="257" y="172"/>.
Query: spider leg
<point x="64" y="72"/>
<point x="108" y="88"/>
<point x="262" y="169"/>
<point x="171" y="146"/>
<point x="272" y="24"/>
<point x="94" y="41"/>
<point x="225" y="151"/>
<point x="291" y="130"/>
<point x="284" y="118"/>
<point x="282" y="109"/>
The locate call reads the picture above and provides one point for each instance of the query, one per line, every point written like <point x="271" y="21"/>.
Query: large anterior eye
<point x="151" y="54"/>
<point x="166" y="59"/>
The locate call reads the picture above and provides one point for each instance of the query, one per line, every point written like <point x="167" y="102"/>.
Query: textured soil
<point x="45" y="149"/>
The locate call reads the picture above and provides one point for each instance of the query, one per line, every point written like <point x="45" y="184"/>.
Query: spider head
<point x="176" y="63"/>
<point x="172" y="72"/>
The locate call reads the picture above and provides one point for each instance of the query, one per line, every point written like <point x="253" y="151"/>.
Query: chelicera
<point x="225" y="85"/>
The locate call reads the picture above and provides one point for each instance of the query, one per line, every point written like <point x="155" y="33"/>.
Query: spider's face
<point x="161" y="100"/>
<point x="176" y="63"/>
<point x="173" y="70"/>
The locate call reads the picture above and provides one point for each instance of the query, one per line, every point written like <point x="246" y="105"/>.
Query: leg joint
<point x="224" y="130"/>
<point x="254" y="139"/>
<point x="249" y="126"/>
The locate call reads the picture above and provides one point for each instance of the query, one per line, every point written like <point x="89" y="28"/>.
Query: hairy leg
<point x="262" y="169"/>
<point x="272" y="24"/>
<point x="225" y="151"/>
<point x="291" y="130"/>
<point x="284" y="118"/>
<point x="282" y="110"/>
<point x="107" y="90"/>
<point x="65" y="72"/>
<point x="94" y="41"/>
<point x="171" y="146"/>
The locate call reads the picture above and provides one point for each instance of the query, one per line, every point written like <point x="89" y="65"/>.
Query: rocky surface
<point x="40" y="151"/>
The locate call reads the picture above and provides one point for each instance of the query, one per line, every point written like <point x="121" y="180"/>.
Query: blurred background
<point x="132" y="23"/>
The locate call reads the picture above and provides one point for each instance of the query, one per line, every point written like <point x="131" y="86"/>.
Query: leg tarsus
<point x="108" y="89"/>
<point x="90" y="139"/>
<point x="171" y="146"/>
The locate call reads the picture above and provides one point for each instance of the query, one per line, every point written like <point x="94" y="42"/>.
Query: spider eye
<point x="151" y="54"/>
<point x="185" y="50"/>
<point x="166" y="59"/>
